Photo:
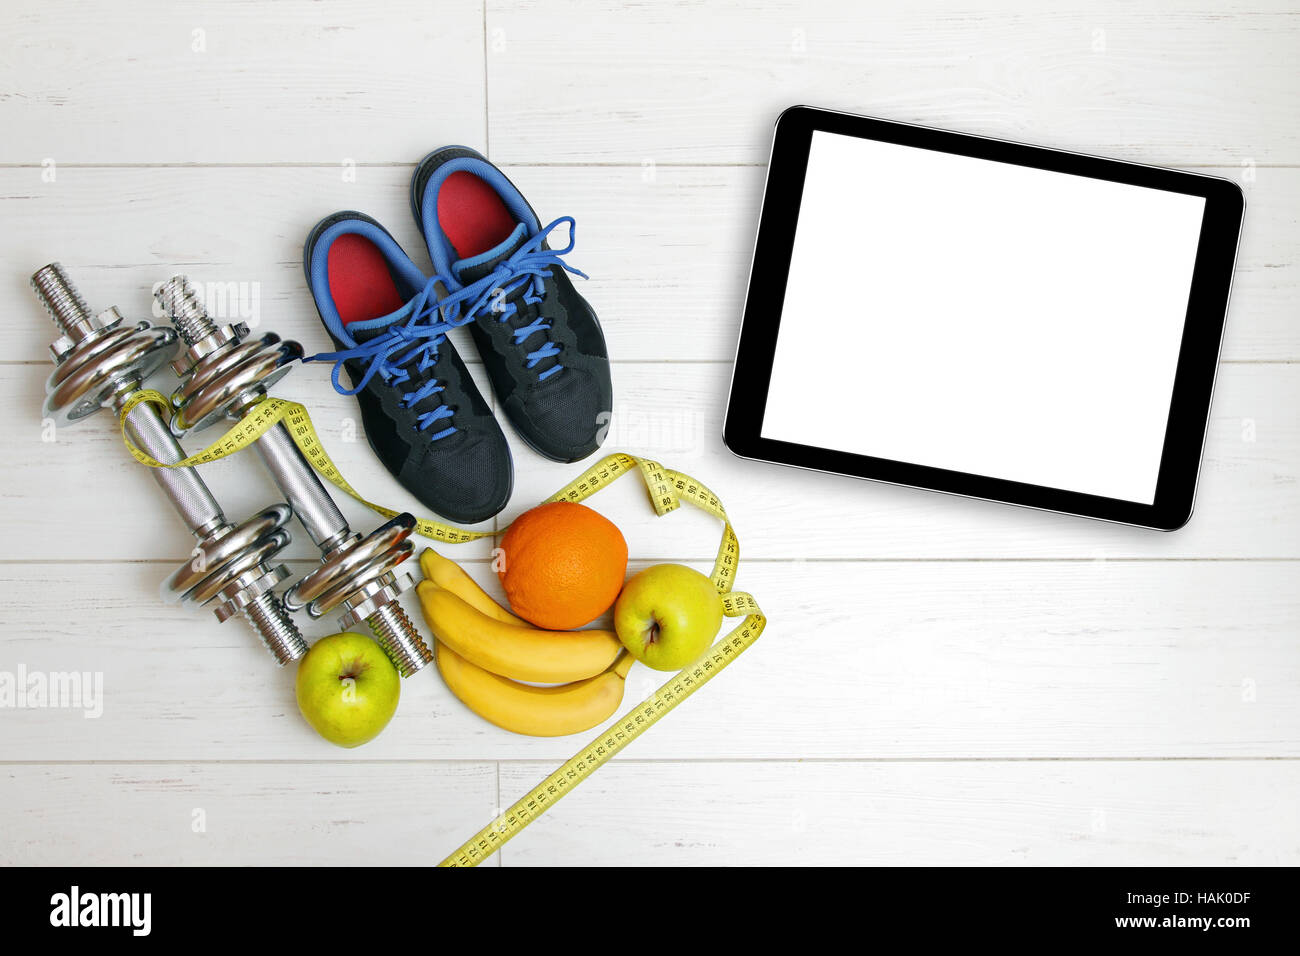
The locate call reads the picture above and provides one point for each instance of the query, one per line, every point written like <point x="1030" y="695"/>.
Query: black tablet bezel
<point x="1198" y="356"/>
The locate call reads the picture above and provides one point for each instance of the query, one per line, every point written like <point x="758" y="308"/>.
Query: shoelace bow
<point x="527" y="267"/>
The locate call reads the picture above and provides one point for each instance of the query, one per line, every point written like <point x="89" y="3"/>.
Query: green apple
<point x="347" y="689"/>
<point x="668" y="615"/>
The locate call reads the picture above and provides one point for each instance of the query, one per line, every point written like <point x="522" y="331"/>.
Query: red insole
<point x="360" y="282"/>
<point x="472" y="215"/>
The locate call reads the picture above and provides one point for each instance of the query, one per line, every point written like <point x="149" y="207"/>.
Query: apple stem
<point x="355" y="670"/>
<point x="652" y="633"/>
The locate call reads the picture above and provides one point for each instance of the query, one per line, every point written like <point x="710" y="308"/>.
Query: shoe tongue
<point x="476" y="267"/>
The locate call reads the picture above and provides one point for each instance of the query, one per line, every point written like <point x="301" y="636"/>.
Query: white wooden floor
<point x="943" y="681"/>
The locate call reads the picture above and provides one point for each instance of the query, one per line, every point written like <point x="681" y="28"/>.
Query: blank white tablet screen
<point x="983" y="317"/>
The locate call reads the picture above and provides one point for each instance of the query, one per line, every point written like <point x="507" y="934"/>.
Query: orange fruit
<point x="562" y="565"/>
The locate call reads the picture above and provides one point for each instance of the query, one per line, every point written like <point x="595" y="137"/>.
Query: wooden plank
<point x="940" y="660"/>
<point x="668" y="253"/>
<point x="672" y="412"/>
<point x="236" y="232"/>
<point x="239" y="83"/>
<point x="1246" y="506"/>
<point x="674" y="82"/>
<point x="241" y="814"/>
<point x="1161" y="813"/>
<point x="84" y="465"/>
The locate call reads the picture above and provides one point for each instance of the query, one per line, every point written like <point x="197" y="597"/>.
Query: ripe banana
<point x="535" y="711"/>
<point x="522" y="653"/>
<point x="447" y="574"/>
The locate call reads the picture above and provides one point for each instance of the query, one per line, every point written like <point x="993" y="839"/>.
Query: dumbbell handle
<point x="187" y="491"/>
<point x="313" y="505"/>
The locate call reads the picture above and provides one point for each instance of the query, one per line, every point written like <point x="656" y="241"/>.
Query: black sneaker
<point x="423" y="415"/>
<point x="540" y="340"/>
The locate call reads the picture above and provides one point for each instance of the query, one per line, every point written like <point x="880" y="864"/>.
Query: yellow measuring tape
<point x="667" y="489"/>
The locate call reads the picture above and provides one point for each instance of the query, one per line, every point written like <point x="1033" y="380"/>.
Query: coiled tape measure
<point x="667" y="489"/>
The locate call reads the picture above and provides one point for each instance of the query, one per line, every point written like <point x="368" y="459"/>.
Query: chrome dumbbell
<point x="101" y="362"/>
<point x="224" y="374"/>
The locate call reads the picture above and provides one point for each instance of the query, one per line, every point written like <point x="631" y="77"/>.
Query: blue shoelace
<point x="527" y="267"/>
<point x="418" y="338"/>
<point x="415" y="338"/>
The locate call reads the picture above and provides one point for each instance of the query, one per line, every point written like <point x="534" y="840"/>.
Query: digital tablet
<point x="983" y="318"/>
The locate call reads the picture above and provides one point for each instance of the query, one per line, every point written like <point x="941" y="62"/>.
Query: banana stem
<point x="623" y="664"/>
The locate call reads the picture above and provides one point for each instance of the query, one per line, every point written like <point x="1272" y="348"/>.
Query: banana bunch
<point x="483" y="652"/>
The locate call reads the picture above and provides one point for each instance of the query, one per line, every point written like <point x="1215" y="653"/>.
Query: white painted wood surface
<point x="943" y="680"/>
<point x="1059" y="813"/>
